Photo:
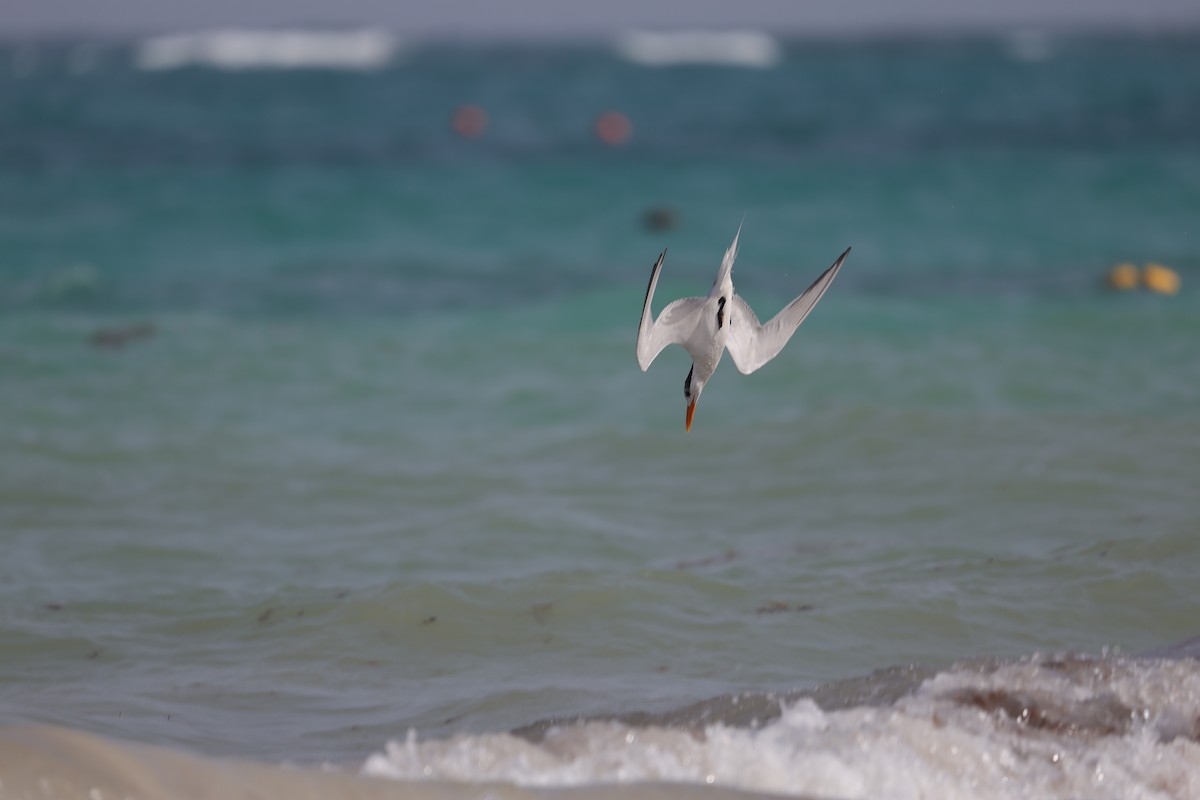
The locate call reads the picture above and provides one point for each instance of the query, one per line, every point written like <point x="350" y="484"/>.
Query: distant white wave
<point x="238" y="49"/>
<point x="1028" y="45"/>
<point x="730" y="48"/>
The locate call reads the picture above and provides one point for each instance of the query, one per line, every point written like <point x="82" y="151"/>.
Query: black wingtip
<point x="835" y="265"/>
<point x="649" y="283"/>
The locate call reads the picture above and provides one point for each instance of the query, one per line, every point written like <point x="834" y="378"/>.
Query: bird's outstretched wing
<point x="751" y="344"/>
<point x="674" y="325"/>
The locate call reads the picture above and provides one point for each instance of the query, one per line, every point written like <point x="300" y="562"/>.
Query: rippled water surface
<point x="322" y="424"/>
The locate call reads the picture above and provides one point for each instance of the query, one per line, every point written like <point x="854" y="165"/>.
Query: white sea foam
<point x="730" y="48"/>
<point x="1039" y="728"/>
<point x="239" y="49"/>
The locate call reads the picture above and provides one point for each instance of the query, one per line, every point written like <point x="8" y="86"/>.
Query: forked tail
<point x="723" y="274"/>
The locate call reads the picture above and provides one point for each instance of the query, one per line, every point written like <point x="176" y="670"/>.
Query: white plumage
<point x="708" y="326"/>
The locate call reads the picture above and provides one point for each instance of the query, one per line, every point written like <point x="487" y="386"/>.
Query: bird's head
<point x="691" y="393"/>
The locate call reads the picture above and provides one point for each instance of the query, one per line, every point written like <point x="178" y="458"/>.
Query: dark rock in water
<point x="660" y="218"/>
<point x="117" y="337"/>
<point x="1097" y="716"/>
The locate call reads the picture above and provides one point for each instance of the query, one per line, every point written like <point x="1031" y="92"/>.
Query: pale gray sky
<point x="566" y="17"/>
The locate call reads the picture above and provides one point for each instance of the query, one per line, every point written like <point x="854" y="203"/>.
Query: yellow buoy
<point x="1158" y="278"/>
<point x="1123" y="277"/>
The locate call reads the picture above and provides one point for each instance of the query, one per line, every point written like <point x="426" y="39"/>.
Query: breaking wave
<point x="1040" y="727"/>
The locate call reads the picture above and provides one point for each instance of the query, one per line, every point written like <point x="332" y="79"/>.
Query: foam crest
<point x="238" y="49"/>
<point x="727" y="48"/>
<point x="1117" y="728"/>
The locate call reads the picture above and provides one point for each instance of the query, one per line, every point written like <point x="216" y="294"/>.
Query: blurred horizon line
<point x="606" y="35"/>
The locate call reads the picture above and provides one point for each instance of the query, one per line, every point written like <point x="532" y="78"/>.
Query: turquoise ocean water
<point x="320" y="424"/>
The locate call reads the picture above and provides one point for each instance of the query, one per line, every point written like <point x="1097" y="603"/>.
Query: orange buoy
<point x="613" y="128"/>
<point x="1123" y="277"/>
<point x="469" y="121"/>
<point x="1158" y="278"/>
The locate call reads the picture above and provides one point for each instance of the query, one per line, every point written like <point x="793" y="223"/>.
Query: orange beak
<point x="687" y="424"/>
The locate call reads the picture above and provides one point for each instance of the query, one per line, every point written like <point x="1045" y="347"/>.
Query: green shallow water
<point x="298" y="537"/>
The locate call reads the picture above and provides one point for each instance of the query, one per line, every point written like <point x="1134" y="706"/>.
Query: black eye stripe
<point x="720" y="312"/>
<point x="687" y="382"/>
